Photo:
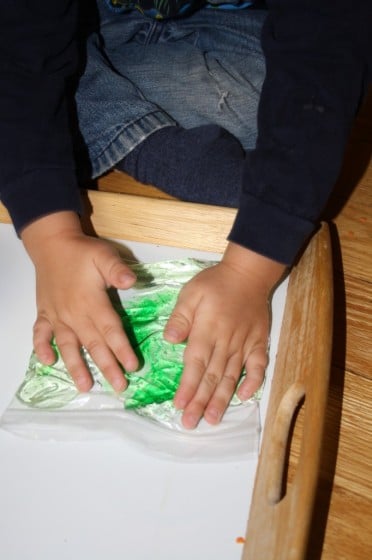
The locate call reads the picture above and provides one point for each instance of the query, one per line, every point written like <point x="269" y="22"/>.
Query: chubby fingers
<point x="102" y="336"/>
<point x="209" y="380"/>
<point x="206" y="389"/>
<point x="214" y="357"/>
<point x="69" y="348"/>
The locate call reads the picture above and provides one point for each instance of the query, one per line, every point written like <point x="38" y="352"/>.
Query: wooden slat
<point x="164" y="222"/>
<point x="158" y="221"/>
<point x="280" y="515"/>
<point x="117" y="181"/>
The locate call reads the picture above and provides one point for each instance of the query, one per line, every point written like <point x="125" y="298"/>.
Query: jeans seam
<point x="127" y="139"/>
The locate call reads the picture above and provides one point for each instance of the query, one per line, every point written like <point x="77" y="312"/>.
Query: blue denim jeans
<point x="142" y="75"/>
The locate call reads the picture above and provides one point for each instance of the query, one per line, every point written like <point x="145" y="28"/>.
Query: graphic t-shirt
<point x="165" y="9"/>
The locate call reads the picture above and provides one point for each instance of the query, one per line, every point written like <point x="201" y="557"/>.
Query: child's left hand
<point x="224" y="314"/>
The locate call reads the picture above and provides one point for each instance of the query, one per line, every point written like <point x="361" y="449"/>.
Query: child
<point x="174" y="103"/>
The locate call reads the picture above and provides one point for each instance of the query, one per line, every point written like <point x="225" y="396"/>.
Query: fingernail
<point x="244" y="395"/>
<point x="180" y="403"/>
<point x="190" y="421"/>
<point x="131" y="364"/>
<point x="171" y="334"/>
<point x="119" y="384"/>
<point x="214" y="414"/>
<point x="83" y="385"/>
<point x="127" y="278"/>
<point x="47" y="359"/>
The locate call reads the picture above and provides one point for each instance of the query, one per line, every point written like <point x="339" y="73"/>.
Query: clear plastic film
<point x="47" y="404"/>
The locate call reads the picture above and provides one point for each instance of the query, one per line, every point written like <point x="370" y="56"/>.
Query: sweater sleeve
<point x="37" y="56"/>
<point x="315" y="66"/>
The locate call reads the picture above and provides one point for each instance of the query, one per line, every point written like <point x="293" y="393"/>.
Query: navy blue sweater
<point x="318" y="55"/>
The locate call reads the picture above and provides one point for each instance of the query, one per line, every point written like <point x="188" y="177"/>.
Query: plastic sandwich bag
<point x="47" y="404"/>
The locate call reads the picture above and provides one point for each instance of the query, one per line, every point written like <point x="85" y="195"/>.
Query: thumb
<point x="178" y="326"/>
<point x="120" y="275"/>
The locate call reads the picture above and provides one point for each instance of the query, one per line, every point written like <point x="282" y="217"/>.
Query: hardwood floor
<point x="342" y="523"/>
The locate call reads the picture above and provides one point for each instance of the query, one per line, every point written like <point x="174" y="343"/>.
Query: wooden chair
<point x="281" y="509"/>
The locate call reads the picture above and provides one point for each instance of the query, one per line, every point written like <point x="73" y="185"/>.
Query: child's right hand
<point x="73" y="272"/>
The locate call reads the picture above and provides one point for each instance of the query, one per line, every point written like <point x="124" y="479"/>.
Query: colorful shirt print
<point x="165" y="9"/>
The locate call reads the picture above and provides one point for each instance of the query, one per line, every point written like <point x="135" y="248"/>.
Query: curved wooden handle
<point x="280" y="439"/>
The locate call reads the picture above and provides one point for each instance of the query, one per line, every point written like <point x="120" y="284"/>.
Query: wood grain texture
<point x="121" y="182"/>
<point x="281" y="513"/>
<point x="353" y="312"/>
<point x="354" y="226"/>
<point x="138" y="218"/>
<point x="349" y="399"/>
<point x="341" y="524"/>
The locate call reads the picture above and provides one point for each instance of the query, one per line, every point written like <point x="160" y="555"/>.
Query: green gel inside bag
<point x="144" y="312"/>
